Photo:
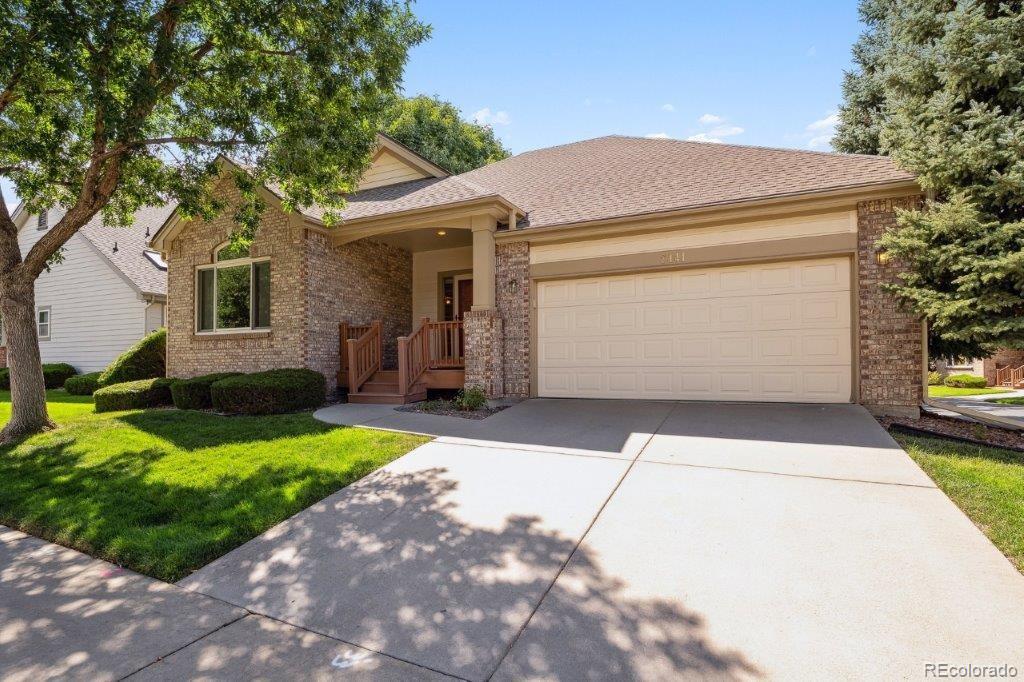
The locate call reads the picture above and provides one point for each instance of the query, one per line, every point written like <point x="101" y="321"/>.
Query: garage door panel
<point x="777" y="332"/>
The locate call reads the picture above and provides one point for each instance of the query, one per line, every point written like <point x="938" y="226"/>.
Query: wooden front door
<point x="465" y="298"/>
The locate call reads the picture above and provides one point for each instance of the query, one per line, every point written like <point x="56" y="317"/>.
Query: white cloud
<point x="819" y="133"/>
<point x="725" y="131"/>
<point x="657" y="136"/>
<point x="486" y="117"/>
<point x="668" y="107"/>
<point x="709" y="119"/>
<point x="704" y="137"/>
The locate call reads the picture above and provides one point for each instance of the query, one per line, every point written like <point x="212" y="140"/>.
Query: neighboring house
<point x="108" y="292"/>
<point x="1005" y="367"/>
<point x="617" y="267"/>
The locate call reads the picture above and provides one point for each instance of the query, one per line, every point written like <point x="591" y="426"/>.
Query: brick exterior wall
<point x="484" y="351"/>
<point x="1004" y="357"/>
<point x="312" y="288"/>
<point x="890" y="344"/>
<point x="512" y="275"/>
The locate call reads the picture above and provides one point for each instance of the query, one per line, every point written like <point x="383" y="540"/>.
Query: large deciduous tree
<point x="107" y="106"/>
<point x="938" y="86"/>
<point x="433" y="128"/>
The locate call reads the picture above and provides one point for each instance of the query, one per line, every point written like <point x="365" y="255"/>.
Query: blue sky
<point x="546" y="73"/>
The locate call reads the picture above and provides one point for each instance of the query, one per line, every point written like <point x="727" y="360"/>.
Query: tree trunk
<point x="28" y="392"/>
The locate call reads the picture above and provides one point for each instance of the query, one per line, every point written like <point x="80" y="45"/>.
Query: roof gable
<point x="394" y="163"/>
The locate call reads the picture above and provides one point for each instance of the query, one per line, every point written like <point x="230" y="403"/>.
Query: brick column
<point x="484" y="347"/>
<point x="513" y="299"/>
<point x="890" y="344"/>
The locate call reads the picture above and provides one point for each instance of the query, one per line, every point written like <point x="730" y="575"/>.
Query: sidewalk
<point x="1013" y="414"/>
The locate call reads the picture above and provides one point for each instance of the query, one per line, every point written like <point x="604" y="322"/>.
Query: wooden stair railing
<point x="1010" y="376"/>
<point x="433" y="345"/>
<point x="347" y="331"/>
<point x="365" y="355"/>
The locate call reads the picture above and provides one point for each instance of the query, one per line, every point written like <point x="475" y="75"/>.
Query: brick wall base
<point x="890" y="343"/>
<point x="484" y="336"/>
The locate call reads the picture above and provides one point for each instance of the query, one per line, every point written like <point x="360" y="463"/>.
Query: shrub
<point x="470" y="398"/>
<point x="134" y="395"/>
<point x="194" y="394"/>
<point x="83" y="384"/>
<point x="144" y="360"/>
<point x="934" y="379"/>
<point x="965" y="381"/>
<point x="276" y="391"/>
<point x="54" y="375"/>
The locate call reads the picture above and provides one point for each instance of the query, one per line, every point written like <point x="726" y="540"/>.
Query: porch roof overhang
<point x="453" y="215"/>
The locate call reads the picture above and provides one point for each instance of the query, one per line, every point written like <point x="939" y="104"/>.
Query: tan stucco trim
<point x="484" y="264"/>
<point x="534" y="337"/>
<point x="456" y="215"/>
<point x="705" y="216"/>
<point x="855" y="327"/>
<point x="705" y="256"/>
<point x="408" y="156"/>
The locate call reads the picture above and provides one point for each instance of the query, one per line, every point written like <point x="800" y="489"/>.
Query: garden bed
<point x="948" y="427"/>
<point x="448" y="408"/>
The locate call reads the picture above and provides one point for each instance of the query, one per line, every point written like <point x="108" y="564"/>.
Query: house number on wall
<point x="672" y="257"/>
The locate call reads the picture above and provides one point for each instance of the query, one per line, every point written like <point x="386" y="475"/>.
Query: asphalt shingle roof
<point x="616" y="176"/>
<point x="132" y="242"/>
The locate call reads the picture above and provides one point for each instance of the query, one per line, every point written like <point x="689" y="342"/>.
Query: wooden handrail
<point x="1010" y="376"/>
<point x="365" y="355"/>
<point x="433" y="345"/>
<point x="346" y="331"/>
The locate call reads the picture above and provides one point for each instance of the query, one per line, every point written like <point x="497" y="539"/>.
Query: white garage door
<point x="768" y="332"/>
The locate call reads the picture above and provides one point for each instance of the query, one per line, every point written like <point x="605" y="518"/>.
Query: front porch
<point x="432" y="357"/>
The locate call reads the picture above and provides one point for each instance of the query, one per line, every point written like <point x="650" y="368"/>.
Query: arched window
<point x="233" y="294"/>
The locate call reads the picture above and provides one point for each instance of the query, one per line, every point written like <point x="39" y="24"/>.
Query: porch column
<point x="482" y="325"/>
<point x="483" y="261"/>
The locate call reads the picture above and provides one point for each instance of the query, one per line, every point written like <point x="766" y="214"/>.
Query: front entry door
<point x="465" y="298"/>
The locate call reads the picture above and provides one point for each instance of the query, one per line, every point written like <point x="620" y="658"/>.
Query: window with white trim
<point x="43" y="323"/>
<point x="233" y="294"/>
<point x="42" y="222"/>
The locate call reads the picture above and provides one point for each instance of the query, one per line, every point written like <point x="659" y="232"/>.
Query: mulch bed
<point x="445" y="408"/>
<point x="957" y="429"/>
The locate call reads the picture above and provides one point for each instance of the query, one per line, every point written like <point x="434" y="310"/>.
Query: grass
<point x="949" y="392"/>
<point x="1008" y="401"/>
<point x="987" y="483"/>
<point x="164" y="492"/>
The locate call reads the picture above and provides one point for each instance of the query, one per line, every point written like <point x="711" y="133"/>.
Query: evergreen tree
<point x="939" y="86"/>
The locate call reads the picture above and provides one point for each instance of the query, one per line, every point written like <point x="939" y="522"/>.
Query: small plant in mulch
<point x="469" y="403"/>
<point x="957" y="429"/>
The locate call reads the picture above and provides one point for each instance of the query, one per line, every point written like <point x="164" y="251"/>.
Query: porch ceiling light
<point x="441" y="233"/>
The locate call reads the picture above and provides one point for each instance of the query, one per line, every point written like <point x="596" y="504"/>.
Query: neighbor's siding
<point x="388" y="169"/>
<point x="154" y="316"/>
<point x="95" y="314"/>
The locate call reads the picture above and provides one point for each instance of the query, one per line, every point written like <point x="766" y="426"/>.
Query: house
<point x="1004" y="367"/>
<point x="107" y="292"/>
<point x="617" y="267"/>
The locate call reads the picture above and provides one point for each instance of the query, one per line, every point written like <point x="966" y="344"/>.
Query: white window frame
<point x="216" y="265"/>
<point x="49" y="322"/>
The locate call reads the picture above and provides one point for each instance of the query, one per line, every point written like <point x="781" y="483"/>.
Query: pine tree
<point x="939" y="86"/>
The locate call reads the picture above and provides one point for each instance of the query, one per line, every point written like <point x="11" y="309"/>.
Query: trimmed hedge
<point x="144" y="360"/>
<point x="194" y="394"/>
<point x="965" y="381"/>
<point x="272" y="392"/>
<point x="83" y="384"/>
<point x="54" y="375"/>
<point x="134" y="395"/>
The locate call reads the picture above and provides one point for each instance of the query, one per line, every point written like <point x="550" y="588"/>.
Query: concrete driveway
<point x="594" y="540"/>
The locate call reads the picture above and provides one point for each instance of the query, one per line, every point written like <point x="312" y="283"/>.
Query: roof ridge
<point x="833" y="154"/>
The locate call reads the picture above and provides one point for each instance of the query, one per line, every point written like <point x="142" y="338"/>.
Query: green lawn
<point x="164" y="492"/>
<point x="987" y="483"/>
<point x="1008" y="401"/>
<point x="948" y="392"/>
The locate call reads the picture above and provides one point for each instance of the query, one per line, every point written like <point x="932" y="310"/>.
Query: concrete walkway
<point x="607" y="540"/>
<point x="1010" y="415"/>
<point x="560" y="540"/>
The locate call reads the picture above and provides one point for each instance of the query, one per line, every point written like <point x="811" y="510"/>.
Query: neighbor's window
<point x="42" y="222"/>
<point x="233" y="293"/>
<point x="43" y="323"/>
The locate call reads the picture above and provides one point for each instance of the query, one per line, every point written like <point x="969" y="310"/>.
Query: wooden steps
<point x="382" y="389"/>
